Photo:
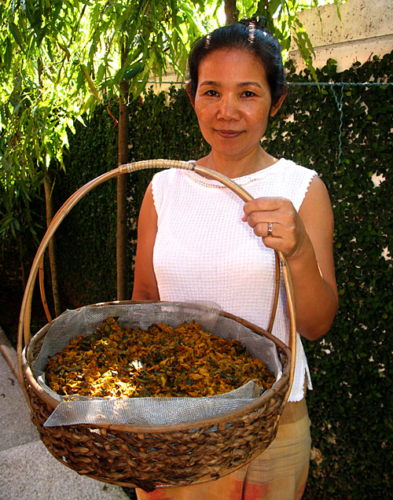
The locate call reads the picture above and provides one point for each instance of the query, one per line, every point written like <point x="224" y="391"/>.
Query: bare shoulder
<point x="317" y="189"/>
<point x="147" y="222"/>
<point x="316" y="206"/>
<point x="148" y="199"/>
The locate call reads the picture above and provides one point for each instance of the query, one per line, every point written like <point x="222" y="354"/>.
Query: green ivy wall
<point x="351" y="406"/>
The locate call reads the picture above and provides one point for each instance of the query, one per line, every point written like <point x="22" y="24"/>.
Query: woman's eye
<point x="212" y="93"/>
<point x="248" y="93"/>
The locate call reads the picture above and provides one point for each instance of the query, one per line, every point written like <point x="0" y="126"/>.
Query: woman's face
<point x="233" y="101"/>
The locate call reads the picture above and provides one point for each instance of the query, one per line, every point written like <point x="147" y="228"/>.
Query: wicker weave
<point x="174" y="455"/>
<point x="156" y="456"/>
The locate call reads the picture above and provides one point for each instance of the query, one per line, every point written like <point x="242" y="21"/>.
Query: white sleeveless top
<point x="205" y="252"/>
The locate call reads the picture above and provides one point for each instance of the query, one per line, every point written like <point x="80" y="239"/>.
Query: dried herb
<point x="117" y="362"/>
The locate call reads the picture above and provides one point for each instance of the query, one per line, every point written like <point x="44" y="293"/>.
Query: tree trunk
<point x="231" y="12"/>
<point x="51" y="247"/>
<point x="121" y="237"/>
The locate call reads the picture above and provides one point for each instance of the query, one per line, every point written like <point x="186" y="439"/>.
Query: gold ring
<point x="270" y="228"/>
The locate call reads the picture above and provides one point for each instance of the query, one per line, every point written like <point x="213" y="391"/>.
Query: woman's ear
<point x="192" y="99"/>
<point x="275" y="108"/>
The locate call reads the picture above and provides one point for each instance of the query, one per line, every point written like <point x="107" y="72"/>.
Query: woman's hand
<point x="277" y="222"/>
<point x="306" y="240"/>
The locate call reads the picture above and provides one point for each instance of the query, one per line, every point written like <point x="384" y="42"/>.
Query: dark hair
<point x="251" y="35"/>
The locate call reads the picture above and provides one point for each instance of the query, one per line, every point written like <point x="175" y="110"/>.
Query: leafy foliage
<point x="57" y="61"/>
<point x="351" y="406"/>
<point x="87" y="257"/>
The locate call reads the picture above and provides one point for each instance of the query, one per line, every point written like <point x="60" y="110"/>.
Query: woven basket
<point x="161" y="455"/>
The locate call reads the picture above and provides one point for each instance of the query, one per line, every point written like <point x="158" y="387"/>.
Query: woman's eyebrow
<point x="241" y="84"/>
<point x="209" y="82"/>
<point x="246" y="84"/>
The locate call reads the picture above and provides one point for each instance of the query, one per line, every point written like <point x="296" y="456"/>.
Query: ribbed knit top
<point x="205" y="252"/>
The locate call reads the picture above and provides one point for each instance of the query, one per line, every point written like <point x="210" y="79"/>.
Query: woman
<point x="198" y="241"/>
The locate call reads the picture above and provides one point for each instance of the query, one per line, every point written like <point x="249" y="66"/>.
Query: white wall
<point x="365" y="30"/>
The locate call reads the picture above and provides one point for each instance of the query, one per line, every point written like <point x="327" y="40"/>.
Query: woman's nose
<point x="228" y="108"/>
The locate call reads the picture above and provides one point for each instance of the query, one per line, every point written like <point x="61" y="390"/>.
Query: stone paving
<point x="27" y="470"/>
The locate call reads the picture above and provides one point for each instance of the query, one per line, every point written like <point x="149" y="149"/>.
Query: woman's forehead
<point x="238" y="65"/>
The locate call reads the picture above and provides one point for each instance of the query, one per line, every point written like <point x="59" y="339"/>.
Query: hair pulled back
<point x="251" y="35"/>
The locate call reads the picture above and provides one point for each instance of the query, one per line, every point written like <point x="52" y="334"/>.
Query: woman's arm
<point x="306" y="239"/>
<point x="312" y="265"/>
<point x="145" y="284"/>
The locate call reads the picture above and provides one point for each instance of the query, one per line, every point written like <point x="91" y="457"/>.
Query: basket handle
<point x="25" y="313"/>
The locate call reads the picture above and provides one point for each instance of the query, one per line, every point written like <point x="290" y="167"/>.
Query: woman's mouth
<point x="228" y="134"/>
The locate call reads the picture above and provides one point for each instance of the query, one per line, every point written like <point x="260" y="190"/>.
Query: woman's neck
<point x="234" y="167"/>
